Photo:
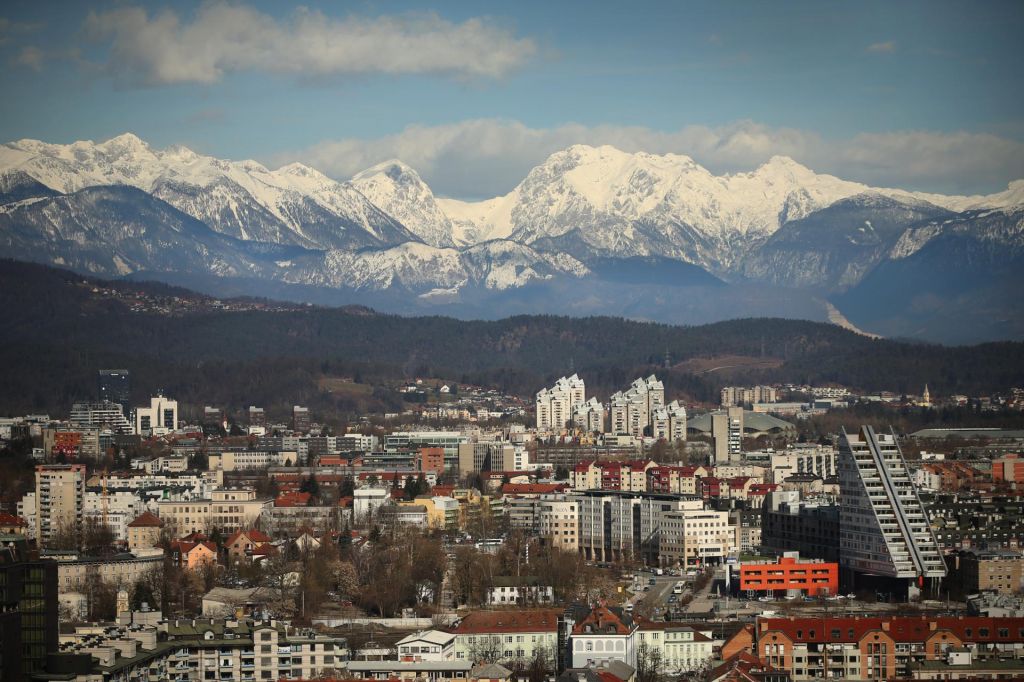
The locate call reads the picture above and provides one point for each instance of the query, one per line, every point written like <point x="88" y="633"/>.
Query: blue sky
<point x="919" y="95"/>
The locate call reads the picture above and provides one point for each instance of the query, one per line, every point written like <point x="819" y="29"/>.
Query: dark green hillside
<point x="56" y="331"/>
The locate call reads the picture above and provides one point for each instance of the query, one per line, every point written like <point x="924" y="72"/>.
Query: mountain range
<point x="590" y="230"/>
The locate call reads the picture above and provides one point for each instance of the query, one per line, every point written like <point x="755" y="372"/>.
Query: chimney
<point x="885" y="625"/>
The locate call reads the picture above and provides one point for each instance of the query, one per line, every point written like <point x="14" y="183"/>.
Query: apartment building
<point x="201" y="649"/>
<point x="632" y="411"/>
<point x="873" y="648"/>
<point x="790" y="524"/>
<point x="727" y="435"/>
<point x="617" y="525"/>
<point x="680" y="648"/>
<point x="629" y="475"/>
<point x="1000" y="571"/>
<point x="555" y="405"/>
<point x="228" y="509"/>
<point x="738" y="396"/>
<point x="884" y="527"/>
<point x="75" y="570"/>
<point x="237" y="460"/>
<point x="819" y="460"/>
<point x="695" y="536"/>
<point x="100" y="415"/>
<point x="507" y="636"/>
<point x="669" y="422"/>
<point x="60" y="502"/>
<point x="144" y="531"/>
<point x="410" y="442"/>
<point x="590" y="416"/>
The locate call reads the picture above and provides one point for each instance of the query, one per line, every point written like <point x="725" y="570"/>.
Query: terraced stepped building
<point x="884" y="528"/>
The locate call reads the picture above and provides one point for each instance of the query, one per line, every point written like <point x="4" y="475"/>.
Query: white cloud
<point x="881" y="48"/>
<point x="31" y="57"/>
<point x="487" y="157"/>
<point x="160" y="49"/>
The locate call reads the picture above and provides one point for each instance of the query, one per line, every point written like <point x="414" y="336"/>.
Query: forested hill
<point x="59" y="327"/>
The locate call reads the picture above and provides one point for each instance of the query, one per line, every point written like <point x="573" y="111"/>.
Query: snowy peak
<point x="399" y="191"/>
<point x="294" y="205"/>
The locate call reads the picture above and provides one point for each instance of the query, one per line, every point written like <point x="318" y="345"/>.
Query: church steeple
<point x="926" y="397"/>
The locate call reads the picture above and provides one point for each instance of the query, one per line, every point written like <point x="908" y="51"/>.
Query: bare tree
<point x="648" y="663"/>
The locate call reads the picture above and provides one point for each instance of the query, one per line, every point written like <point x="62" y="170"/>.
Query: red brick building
<point x="872" y="648"/>
<point x="1008" y="468"/>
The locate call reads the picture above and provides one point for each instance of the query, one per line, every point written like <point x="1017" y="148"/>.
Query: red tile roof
<point x="12" y="520"/>
<point x="292" y="498"/>
<point x="254" y="536"/>
<point x="147" y="519"/>
<point x="604" y="620"/>
<point x="901" y="629"/>
<point x="532" y="488"/>
<point x="527" y="620"/>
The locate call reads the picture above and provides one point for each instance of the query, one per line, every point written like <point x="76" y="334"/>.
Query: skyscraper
<point x="555" y="405"/>
<point x="60" y="500"/>
<point x="884" y="528"/>
<point x="28" y="610"/>
<point x="727" y="434"/>
<point x="114" y="385"/>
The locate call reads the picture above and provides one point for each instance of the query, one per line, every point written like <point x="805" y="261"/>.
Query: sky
<point x="920" y="95"/>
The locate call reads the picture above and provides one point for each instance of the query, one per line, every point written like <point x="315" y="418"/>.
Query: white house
<point x="602" y="636"/>
<point x="428" y="645"/>
<point x="367" y="500"/>
<point x="525" y="589"/>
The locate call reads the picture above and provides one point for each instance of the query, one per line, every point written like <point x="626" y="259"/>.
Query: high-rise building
<point x="884" y="528"/>
<point x="669" y="422"/>
<point x="555" y="405"/>
<point x="114" y="385"/>
<point x="28" y="610"/>
<point x="727" y="434"/>
<point x="632" y="411"/>
<point x="737" y="396"/>
<point x="100" y="415"/>
<point x="300" y="419"/>
<point x="60" y="500"/>
<point x="213" y="417"/>
<point x="589" y="416"/>
<point x="257" y="417"/>
<point x="161" y="417"/>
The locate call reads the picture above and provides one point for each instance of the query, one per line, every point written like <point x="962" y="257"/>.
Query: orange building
<point x="430" y="459"/>
<point x="1009" y="468"/>
<point x="811" y="578"/>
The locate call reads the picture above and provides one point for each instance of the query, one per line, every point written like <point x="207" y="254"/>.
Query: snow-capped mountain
<point x="592" y="229"/>
<point x="292" y="205"/>
<point x="399" y="191"/>
<point x="600" y="201"/>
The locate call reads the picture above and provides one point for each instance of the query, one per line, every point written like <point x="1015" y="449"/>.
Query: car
<point x="808" y="598"/>
<point x="652" y="581"/>
<point x="851" y="596"/>
<point x="790" y="597"/>
<point x="835" y="597"/>
<point x="764" y="599"/>
<point x="647" y="588"/>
